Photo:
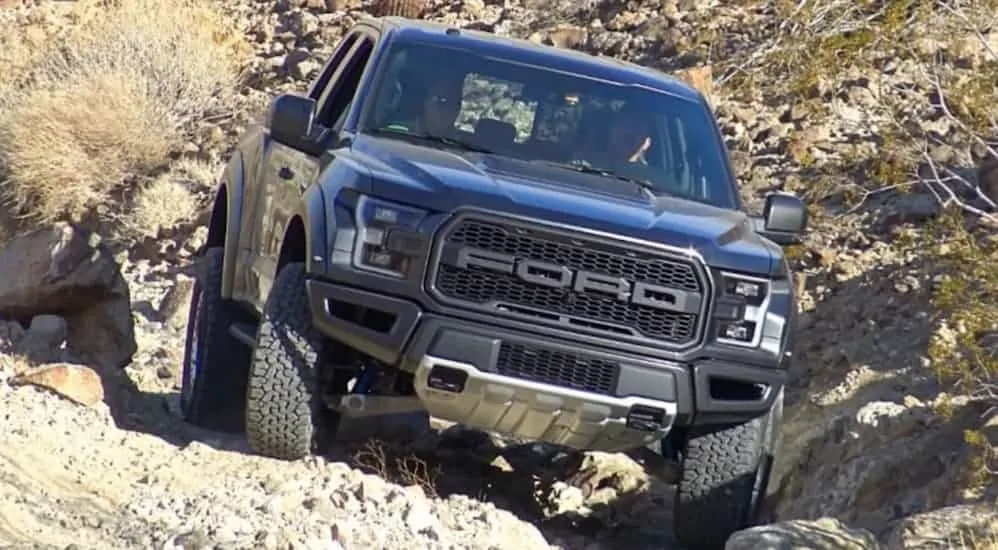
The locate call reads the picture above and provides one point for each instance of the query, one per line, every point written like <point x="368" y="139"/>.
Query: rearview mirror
<point x="291" y="118"/>
<point x="783" y="220"/>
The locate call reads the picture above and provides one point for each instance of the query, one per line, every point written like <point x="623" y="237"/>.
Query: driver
<point x="439" y="109"/>
<point x="441" y="105"/>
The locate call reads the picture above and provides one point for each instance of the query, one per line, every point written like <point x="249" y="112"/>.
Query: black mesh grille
<point x="594" y="312"/>
<point x="557" y="368"/>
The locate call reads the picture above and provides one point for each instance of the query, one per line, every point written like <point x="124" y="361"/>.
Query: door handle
<point x="285" y="173"/>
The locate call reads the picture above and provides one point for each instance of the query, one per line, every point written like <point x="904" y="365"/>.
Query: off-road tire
<point x="215" y="399"/>
<point x="285" y="416"/>
<point x="723" y="480"/>
<point x="411" y="9"/>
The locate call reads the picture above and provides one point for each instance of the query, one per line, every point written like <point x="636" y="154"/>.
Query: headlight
<point x="740" y="309"/>
<point x="388" y="237"/>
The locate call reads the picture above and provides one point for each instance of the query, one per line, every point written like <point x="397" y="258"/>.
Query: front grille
<point x="506" y="294"/>
<point x="557" y="368"/>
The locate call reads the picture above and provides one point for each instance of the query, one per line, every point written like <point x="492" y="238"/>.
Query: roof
<point x="525" y="51"/>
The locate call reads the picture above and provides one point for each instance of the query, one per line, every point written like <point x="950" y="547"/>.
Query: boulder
<point x="821" y="534"/>
<point x="77" y="383"/>
<point x="44" y="340"/>
<point x="66" y="271"/>
<point x="963" y="526"/>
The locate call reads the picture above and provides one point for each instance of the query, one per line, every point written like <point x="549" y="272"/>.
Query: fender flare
<point x="234" y="183"/>
<point x="313" y="214"/>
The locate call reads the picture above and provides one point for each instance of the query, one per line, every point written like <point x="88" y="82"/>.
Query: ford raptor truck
<point x="437" y="228"/>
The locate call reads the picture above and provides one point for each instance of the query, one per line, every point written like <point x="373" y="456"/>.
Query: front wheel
<point x="723" y="480"/>
<point x="285" y="415"/>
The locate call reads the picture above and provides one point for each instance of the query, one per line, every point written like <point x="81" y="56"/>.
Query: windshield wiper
<point x="586" y="168"/>
<point x="448" y="141"/>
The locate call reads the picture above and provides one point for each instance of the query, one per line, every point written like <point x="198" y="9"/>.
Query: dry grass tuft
<point x="972" y="541"/>
<point x="197" y="174"/>
<point x="14" y="363"/>
<point x="170" y="200"/>
<point x="162" y="204"/>
<point x="110" y="99"/>
<point x="66" y="149"/>
<point x="406" y="469"/>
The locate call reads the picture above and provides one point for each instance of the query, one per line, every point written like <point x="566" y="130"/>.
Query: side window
<point x="487" y="97"/>
<point x="675" y="151"/>
<point x="335" y="101"/>
<point x="320" y="84"/>
<point x="694" y="175"/>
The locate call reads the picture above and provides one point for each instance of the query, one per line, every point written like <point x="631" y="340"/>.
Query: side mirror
<point x="784" y="219"/>
<point x="291" y="119"/>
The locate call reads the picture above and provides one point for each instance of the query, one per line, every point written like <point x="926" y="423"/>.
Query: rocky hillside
<point x="116" y="114"/>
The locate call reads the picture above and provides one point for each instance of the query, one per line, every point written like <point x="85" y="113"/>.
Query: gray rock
<point x="64" y="269"/>
<point x="822" y="534"/>
<point x="964" y="526"/>
<point x="44" y="340"/>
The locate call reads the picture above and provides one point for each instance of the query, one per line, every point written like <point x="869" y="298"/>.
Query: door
<point x="288" y="172"/>
<point x="246" y="286"/>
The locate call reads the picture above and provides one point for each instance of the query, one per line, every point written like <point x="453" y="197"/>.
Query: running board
<point x="245" y="333"/>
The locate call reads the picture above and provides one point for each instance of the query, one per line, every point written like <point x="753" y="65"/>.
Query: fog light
<point x="645" y="419"/>
<point x="447" y="379"/>
<point x="385" y="260"/>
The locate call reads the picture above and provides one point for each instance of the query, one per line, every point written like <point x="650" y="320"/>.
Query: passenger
<point x="625" y="142"/>
<point x="630" y="137"/>
<point x="441" y="105"/>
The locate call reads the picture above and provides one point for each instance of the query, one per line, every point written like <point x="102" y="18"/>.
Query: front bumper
<point x="573" y="393"/>
<point x="463" y="393"/>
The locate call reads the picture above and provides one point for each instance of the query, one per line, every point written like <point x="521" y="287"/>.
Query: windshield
<point x="455" y="97"/>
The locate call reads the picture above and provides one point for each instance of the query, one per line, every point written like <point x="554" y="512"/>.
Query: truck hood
<point x="442" y="181"/>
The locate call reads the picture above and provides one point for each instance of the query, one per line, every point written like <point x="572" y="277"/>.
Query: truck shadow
<point x="575" y="499"/>
<point x="158" y="414"/>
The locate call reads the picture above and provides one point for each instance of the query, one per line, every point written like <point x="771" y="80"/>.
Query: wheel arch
<point x="304" y="234"/>
<point x="223" y="227"/>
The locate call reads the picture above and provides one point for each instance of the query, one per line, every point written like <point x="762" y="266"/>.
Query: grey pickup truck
<point x="514" y="237"/>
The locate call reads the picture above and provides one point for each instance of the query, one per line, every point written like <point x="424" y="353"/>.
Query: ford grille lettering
<point x="561" y="277"/>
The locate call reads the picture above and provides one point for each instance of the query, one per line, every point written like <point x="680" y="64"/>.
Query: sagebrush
<point x="108" y="99"/>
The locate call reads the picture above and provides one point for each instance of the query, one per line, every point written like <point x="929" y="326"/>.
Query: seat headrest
<point x="495" y="131"/>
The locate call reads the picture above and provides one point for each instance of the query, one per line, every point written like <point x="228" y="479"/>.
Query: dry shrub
<point x="109" y="99"/>
<point x="170" y="200"/>
<point x="413" y="9"/>
<point x="17" y="50"/>
<point x="67" y="148"/>
<point x="13" y="363"/>
<point x="162" y="204"/>
<point x="402" y="468"/>
<point x="200" y="176"/>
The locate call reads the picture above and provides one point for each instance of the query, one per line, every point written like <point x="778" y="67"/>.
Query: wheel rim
<point x="193" y="363"/>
